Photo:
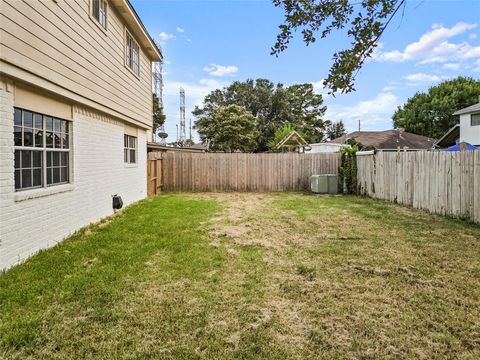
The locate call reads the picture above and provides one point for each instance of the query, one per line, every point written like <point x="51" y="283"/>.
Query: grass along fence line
<point x="446" y="183"/>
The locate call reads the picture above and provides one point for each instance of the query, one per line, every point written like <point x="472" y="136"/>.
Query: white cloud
<point x="166" y="36"/>
<point x="434" y="46"/>
<point x="421" y="78"/>
<point x="451" y="66"/>
<point x="180" y="30"/>
<point x="374" y="114"/>
<point x="319" y="89"/>
<point x="472" y="36"/>
<point x="221" y="70"/>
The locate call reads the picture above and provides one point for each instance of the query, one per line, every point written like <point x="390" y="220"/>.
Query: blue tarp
<point x="458" y="147"/>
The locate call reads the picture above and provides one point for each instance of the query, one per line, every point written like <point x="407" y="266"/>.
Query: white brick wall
<point x="98" y="172"/>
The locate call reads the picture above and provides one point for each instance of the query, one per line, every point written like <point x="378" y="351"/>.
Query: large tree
<point x="364" y="22"/>
<point x="430" y="113"/>
<point x="228" y="128"/>
<point x="273" y="106"/>
<point x="335" y="130"/>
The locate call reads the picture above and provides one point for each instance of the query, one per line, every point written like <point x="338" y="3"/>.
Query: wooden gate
<point x="154" y="173"/>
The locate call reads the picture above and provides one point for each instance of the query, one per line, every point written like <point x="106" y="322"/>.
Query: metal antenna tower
<point x="158" y="90"/>
<point x="182" y="135"/>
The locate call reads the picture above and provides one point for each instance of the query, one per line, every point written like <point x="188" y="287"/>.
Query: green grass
<point x="250" y="276"/>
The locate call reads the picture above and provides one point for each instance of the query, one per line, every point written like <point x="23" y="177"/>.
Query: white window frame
<point x="128" y="148"/>
<point x="130" y="50"/>
<point x="44" y="150"/>
<point x="471" y="119"/>
<point x="102" y="19"/>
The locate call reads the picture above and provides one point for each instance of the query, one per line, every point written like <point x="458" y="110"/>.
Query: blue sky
<point x="209" y="44"/>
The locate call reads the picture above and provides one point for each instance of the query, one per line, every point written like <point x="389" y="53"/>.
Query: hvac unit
<point x="324" y="184"/>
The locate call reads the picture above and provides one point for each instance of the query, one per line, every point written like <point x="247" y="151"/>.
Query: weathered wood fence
<point x="176" y="171"/>
<point x="446" y="183"/>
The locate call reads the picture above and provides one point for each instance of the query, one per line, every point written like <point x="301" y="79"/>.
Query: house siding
<point x="469" y="133"/>
<point x="61" y="43"/>
<point x="29" y="223"/>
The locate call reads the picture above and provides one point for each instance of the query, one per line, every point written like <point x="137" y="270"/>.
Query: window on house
<point x="132" y="54"/>
<point x="475" y="120"/>
<point x="99" y="11"/>
<point x="42" y="150"/>
<point x="130" y="149"/>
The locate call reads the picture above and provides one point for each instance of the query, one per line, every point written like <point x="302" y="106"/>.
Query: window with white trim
<point x="130" y="149"/>
<point x="475" y="120"/>
<point x="99" y="12"/>
<point x="42" y="150"/>
<point x="132" y="53"/>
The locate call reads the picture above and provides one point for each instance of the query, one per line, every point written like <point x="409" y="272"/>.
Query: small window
<point x="129" y="149"/>
<point x="132" y="54"/>
<point x="475" y="120"/>
<point x="99" y="12"/>
<point x="42" y="150"/>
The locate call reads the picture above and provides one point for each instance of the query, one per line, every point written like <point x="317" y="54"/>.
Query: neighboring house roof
<point x="127" y="11"/>
<point x="199" y="146"/>
<point x="151" y="146"/>
<point x="450" y="138"/>
<point x="389" y="139"/>
<point x="470" y="109"/>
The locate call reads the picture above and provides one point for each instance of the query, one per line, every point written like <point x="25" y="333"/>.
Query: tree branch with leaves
<point x="365" y="21"/>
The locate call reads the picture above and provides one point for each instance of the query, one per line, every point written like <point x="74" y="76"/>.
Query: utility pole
<point x="359" y="125"/>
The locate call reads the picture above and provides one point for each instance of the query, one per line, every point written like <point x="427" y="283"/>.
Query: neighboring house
<point x="470" y="124"/>
<point x="76" y="107"/>
<point x="388" y="140"/>
<point x="326" y="147"/>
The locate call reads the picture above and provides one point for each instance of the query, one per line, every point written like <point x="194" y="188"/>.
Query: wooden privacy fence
<point x="446" y="183"/>
<point x="177" y="171"/>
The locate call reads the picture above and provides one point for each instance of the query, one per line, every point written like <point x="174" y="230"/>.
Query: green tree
<point x="228" y="128"/>
<point x="335" y="130"/>
<point x="364" y="21"/>
<point x="307" y="112"/>
<point x="273" y="106"/>
<point x="430" y="114"/>
<point x="158" y="116"/>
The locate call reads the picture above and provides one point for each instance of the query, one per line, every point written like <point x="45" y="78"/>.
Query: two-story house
<point x="470" y="124"/>
<point x="467" y="131"/>
<point x="76" y="108"/>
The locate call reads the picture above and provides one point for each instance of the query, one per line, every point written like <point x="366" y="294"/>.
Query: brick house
<point x="75" y="115"/>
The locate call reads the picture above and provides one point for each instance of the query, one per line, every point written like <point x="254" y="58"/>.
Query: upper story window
<point x="132" y="53"/>
<point x="129" y="149"/>
<point x="475" y="120"/>
<point x="99" y="12"/>
<point x="42" y="150"/>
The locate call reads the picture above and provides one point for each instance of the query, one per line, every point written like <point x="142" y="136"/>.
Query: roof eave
<point x="131" y="17"/>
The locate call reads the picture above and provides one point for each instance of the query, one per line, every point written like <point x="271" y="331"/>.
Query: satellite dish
<point x="163" y="135"/>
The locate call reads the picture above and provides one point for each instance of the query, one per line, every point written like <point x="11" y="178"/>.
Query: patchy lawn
<point x="274" y="276"/>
